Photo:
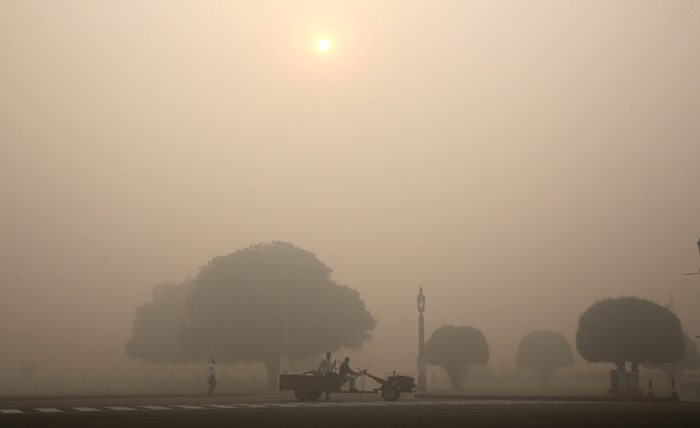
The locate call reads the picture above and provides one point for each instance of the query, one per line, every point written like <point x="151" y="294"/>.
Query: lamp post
<point x="422" y="362"/>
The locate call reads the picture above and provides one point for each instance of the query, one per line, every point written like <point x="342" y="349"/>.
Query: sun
<point x="324" y="45"/>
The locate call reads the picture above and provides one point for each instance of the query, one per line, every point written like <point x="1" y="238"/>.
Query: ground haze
<point x="518" y="160"/>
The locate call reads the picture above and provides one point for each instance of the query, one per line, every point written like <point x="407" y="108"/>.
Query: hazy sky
<point x="518" y="159"/>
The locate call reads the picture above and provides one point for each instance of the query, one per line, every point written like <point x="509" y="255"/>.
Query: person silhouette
<point x="211" y="376"/>
<point x="346" y="373"/>
<point x="325" y="369"/>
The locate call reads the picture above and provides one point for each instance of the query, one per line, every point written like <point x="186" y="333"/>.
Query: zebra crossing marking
<point x="366" y="403"/>
<point x="302" y="404"/>
<point x="280" y="405"/>
<point x="340" y="404"/>
<point x="319" y="404"/>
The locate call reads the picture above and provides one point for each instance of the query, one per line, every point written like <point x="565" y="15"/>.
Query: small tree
<point x="674" y="369"/>
<point x="543" y="352"/>
<point x="454" y="348"/>
<point x="629" y="329"/>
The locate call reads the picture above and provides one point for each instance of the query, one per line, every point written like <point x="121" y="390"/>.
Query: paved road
<point x="344" y="411"/>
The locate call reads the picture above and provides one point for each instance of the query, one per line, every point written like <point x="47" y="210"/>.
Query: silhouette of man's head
<point x="328" y="355"/>
<point x="347" y="359"/>
<point x="213" y="360"/>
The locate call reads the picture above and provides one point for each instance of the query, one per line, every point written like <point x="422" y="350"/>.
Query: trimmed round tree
<point x="543" y="352"/>
<point x="629" y="329"/>
<point x="455" y="348"/>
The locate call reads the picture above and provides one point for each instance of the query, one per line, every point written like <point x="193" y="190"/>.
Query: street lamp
<point x="420" y="300"/>
<point x="422" y="361"/>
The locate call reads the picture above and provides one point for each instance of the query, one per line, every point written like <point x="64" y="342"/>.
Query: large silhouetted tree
<point x="690" y="361"/>
<point x="158" y="324"/>
<point x="629" y="329"/>
<point x="242" y="301"/>
<point x="543" y="351"/>
<point x="455" y="348"/>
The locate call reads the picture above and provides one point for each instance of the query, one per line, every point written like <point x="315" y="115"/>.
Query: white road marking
<point x="462" y="402"/>
<point x="478" y="402"/>
<point x="341" y="404"/>
<point x="400" y="403"/>
<point x="321" y="403"/>
<point x="367" y="403"/>
<point x="280" y="405"/>
<point x="314" y="404"/>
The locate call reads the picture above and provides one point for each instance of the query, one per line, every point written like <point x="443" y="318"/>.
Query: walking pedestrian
<point x="325" y="369"/>
<point x="211" y="376"/>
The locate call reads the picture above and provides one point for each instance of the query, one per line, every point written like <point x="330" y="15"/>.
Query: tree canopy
<point x="690" y="361"/>
<point x="543" y="352"/>
<point x="158" y="325"/>
<point x="454" y="348"/>
<point x="629" y="329"/>
<point x="241" y="303"/>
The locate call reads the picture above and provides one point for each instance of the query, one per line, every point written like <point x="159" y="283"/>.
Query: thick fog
<point x="519" y="160"/>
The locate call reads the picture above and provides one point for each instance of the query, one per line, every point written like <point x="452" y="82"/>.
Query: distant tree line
<point x="617" y="330"/>
<point x="241" y="306"/>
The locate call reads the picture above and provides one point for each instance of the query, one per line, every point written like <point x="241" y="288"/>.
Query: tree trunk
<point x="456" y="376"/>
<point x="273" y="367"/>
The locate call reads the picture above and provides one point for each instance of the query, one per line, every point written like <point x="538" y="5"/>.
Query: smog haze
<point x="518" y="160"/>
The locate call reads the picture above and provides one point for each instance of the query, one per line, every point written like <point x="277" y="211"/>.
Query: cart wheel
<point x="390" y="392"/>
<point x="302" y="394"/>
<point x="307" y="394"/>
